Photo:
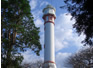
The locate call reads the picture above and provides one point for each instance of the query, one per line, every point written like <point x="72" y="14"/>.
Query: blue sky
<point x="67" y="42"/>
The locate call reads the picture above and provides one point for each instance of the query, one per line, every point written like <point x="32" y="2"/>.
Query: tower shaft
<point x="49" y="52"/>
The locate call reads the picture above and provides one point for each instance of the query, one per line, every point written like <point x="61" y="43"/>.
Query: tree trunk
<point x="9" y="50"/>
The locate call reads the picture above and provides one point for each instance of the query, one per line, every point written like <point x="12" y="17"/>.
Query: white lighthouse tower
<point x="49" y="48"/>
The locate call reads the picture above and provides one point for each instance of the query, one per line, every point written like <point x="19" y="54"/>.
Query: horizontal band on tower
<point x="48" y="15"/>
<point x="49" y="62"/>
<point x="49" y="22"/>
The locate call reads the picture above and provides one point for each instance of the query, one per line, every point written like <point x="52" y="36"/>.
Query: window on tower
<point x="50" y="18"/>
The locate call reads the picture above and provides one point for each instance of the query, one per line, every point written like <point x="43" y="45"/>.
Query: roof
<point x="49" y="6"/>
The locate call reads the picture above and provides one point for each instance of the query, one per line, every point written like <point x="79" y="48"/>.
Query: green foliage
<point x="18" y="32"/>
<point x="82" y="11"/>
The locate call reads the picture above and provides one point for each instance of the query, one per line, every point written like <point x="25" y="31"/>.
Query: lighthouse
<point x="49" y="48"/>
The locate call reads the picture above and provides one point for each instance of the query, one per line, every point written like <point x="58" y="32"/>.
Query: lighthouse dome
<point x="49" y="9"/>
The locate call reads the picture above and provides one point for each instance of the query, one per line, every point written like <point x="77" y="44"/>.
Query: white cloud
<point x="60" y="44"/>
<point x="29" y="56"/>
<point x="64" y="33"/>
<point x="61" y="59"/>
<point x="33" y="4"/>
<point x="44" y="3"/>
<point x="42" y="39"/>
<point x="37" y="14"/>
<point x="38" y="23"/>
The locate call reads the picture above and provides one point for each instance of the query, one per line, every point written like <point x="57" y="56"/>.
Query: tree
<point x="36" y="64"/>
<point x="18" y="32"/>
<point x="82" y="59"/>
<point x="82" y="12"/>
